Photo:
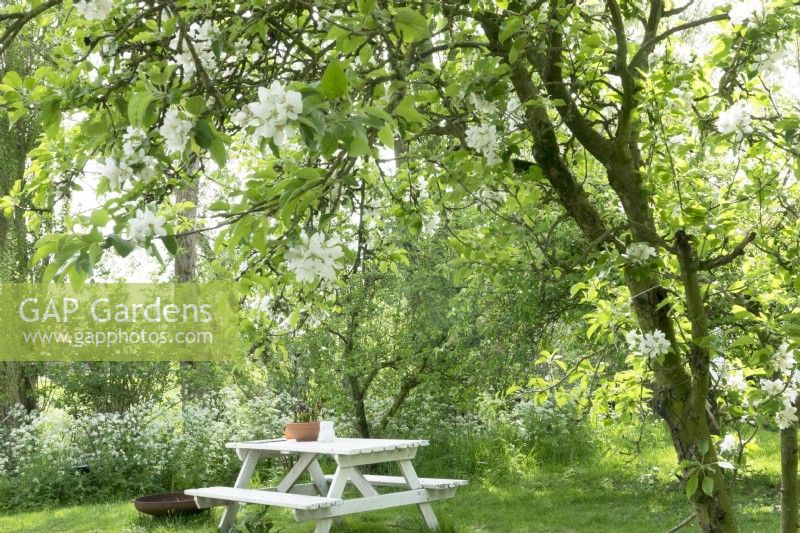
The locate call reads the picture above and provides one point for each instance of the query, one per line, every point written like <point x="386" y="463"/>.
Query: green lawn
<point x="609" y="496"/>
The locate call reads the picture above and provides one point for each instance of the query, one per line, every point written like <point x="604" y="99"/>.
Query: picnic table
<point x="322" y="499"/>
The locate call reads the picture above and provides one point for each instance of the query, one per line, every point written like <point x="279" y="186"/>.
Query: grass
<point x="609" y="495"/>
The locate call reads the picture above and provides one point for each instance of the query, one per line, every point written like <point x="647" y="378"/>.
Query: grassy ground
<point x="611" y="495"/>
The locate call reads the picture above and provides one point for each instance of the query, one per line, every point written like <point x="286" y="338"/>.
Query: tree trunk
<point x="185" y="271"/>
<point x="358" y="393"/>
<point x="789" y="521"/>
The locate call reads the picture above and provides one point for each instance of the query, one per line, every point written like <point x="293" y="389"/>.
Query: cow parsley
<point x="175" y="131"/>
<point x="315" y="257"/>
<point x="145" y="225"/>
<point x="639" y="253"/>
<point x="483" y="139"/>
<point x="94" y="9"/>
<point x="270" y="115"/>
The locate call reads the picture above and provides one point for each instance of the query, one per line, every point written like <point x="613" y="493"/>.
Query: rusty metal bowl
<point x="168" y="503"/>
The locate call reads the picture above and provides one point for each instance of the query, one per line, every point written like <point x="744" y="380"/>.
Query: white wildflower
<point x="175" y="131"/>
<point x="315" y="256"/>
<point x="639" y="253"/>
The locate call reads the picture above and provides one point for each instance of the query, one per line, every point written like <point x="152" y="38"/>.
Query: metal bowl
<point x="167" y="503"/>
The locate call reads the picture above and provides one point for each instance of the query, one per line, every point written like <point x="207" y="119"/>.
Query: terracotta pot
<point x="302" y="431"/>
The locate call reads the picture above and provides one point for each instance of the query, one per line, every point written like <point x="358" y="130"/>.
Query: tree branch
<point x="722" y="260"/>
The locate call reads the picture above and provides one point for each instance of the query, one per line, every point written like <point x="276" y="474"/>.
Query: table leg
<point x="410" y="475"/>
<point x="318" y="477"/>
<point x="297" y="470"/>
<point x="242" y="480"/>
<point x="335" y="491"/>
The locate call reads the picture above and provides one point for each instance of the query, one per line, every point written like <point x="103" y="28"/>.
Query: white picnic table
<point x="322" y="499"/>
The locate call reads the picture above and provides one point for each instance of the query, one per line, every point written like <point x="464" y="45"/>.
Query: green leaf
<point x="12" y="78"/>
<point x="220" y="205"/>
<point x="203" y="134"/>
<point x="406" y="110"/>
<point x="703" y="446"/>
<point x="386" y="135"/>
<point x="411" y="25"/>
<point x="708" y="485"/>
<point x="509" y="27"/>
<point x="358" y="145"/>
<point x="196" y="105"/>
<point x="51" y="113"/>
<point x="170" y="243"/>
<point x="691" y="485"/>
<point x="137" y="107"/>
<point x="594" y="40"/>
<point x="744" y="340"/>
<point x="122" y="246"/>
<point x="334" y="82"/>
<point x="218" y="151"/>
<point x="99" y="217"/>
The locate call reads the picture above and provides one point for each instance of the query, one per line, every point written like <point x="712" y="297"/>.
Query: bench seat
<point x="263" y="497"/>
<point x="399" y="481"/>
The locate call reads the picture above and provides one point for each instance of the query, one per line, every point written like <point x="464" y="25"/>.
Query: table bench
<point x="322" y="500"/>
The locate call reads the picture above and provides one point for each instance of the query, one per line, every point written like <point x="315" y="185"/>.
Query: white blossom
<point x="314" y="257"/>
<point x="94" y="9"/>
<point x="175" y="131"/>
<point x="772" y="387"/>
<point x="146" y="224"/>
<point x="735" y="381"/>
<point x="633" y="339"/>
<point x="654" y="344"/>
<point x="728" y="444"/>
<point x="201" y="36"/>
<point x="639" y="253"/>
<point x="117" y="172"/>
<point x="783" y="360"/>
<point x="741" y="10"/>
<point x="482" y="105"/>
<point x="483" y="139"/>
<point x="736" y="119"/>
<point x="431" y="224"/>
<point x="786" y="417"/>
<point x="270" y="115"/>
